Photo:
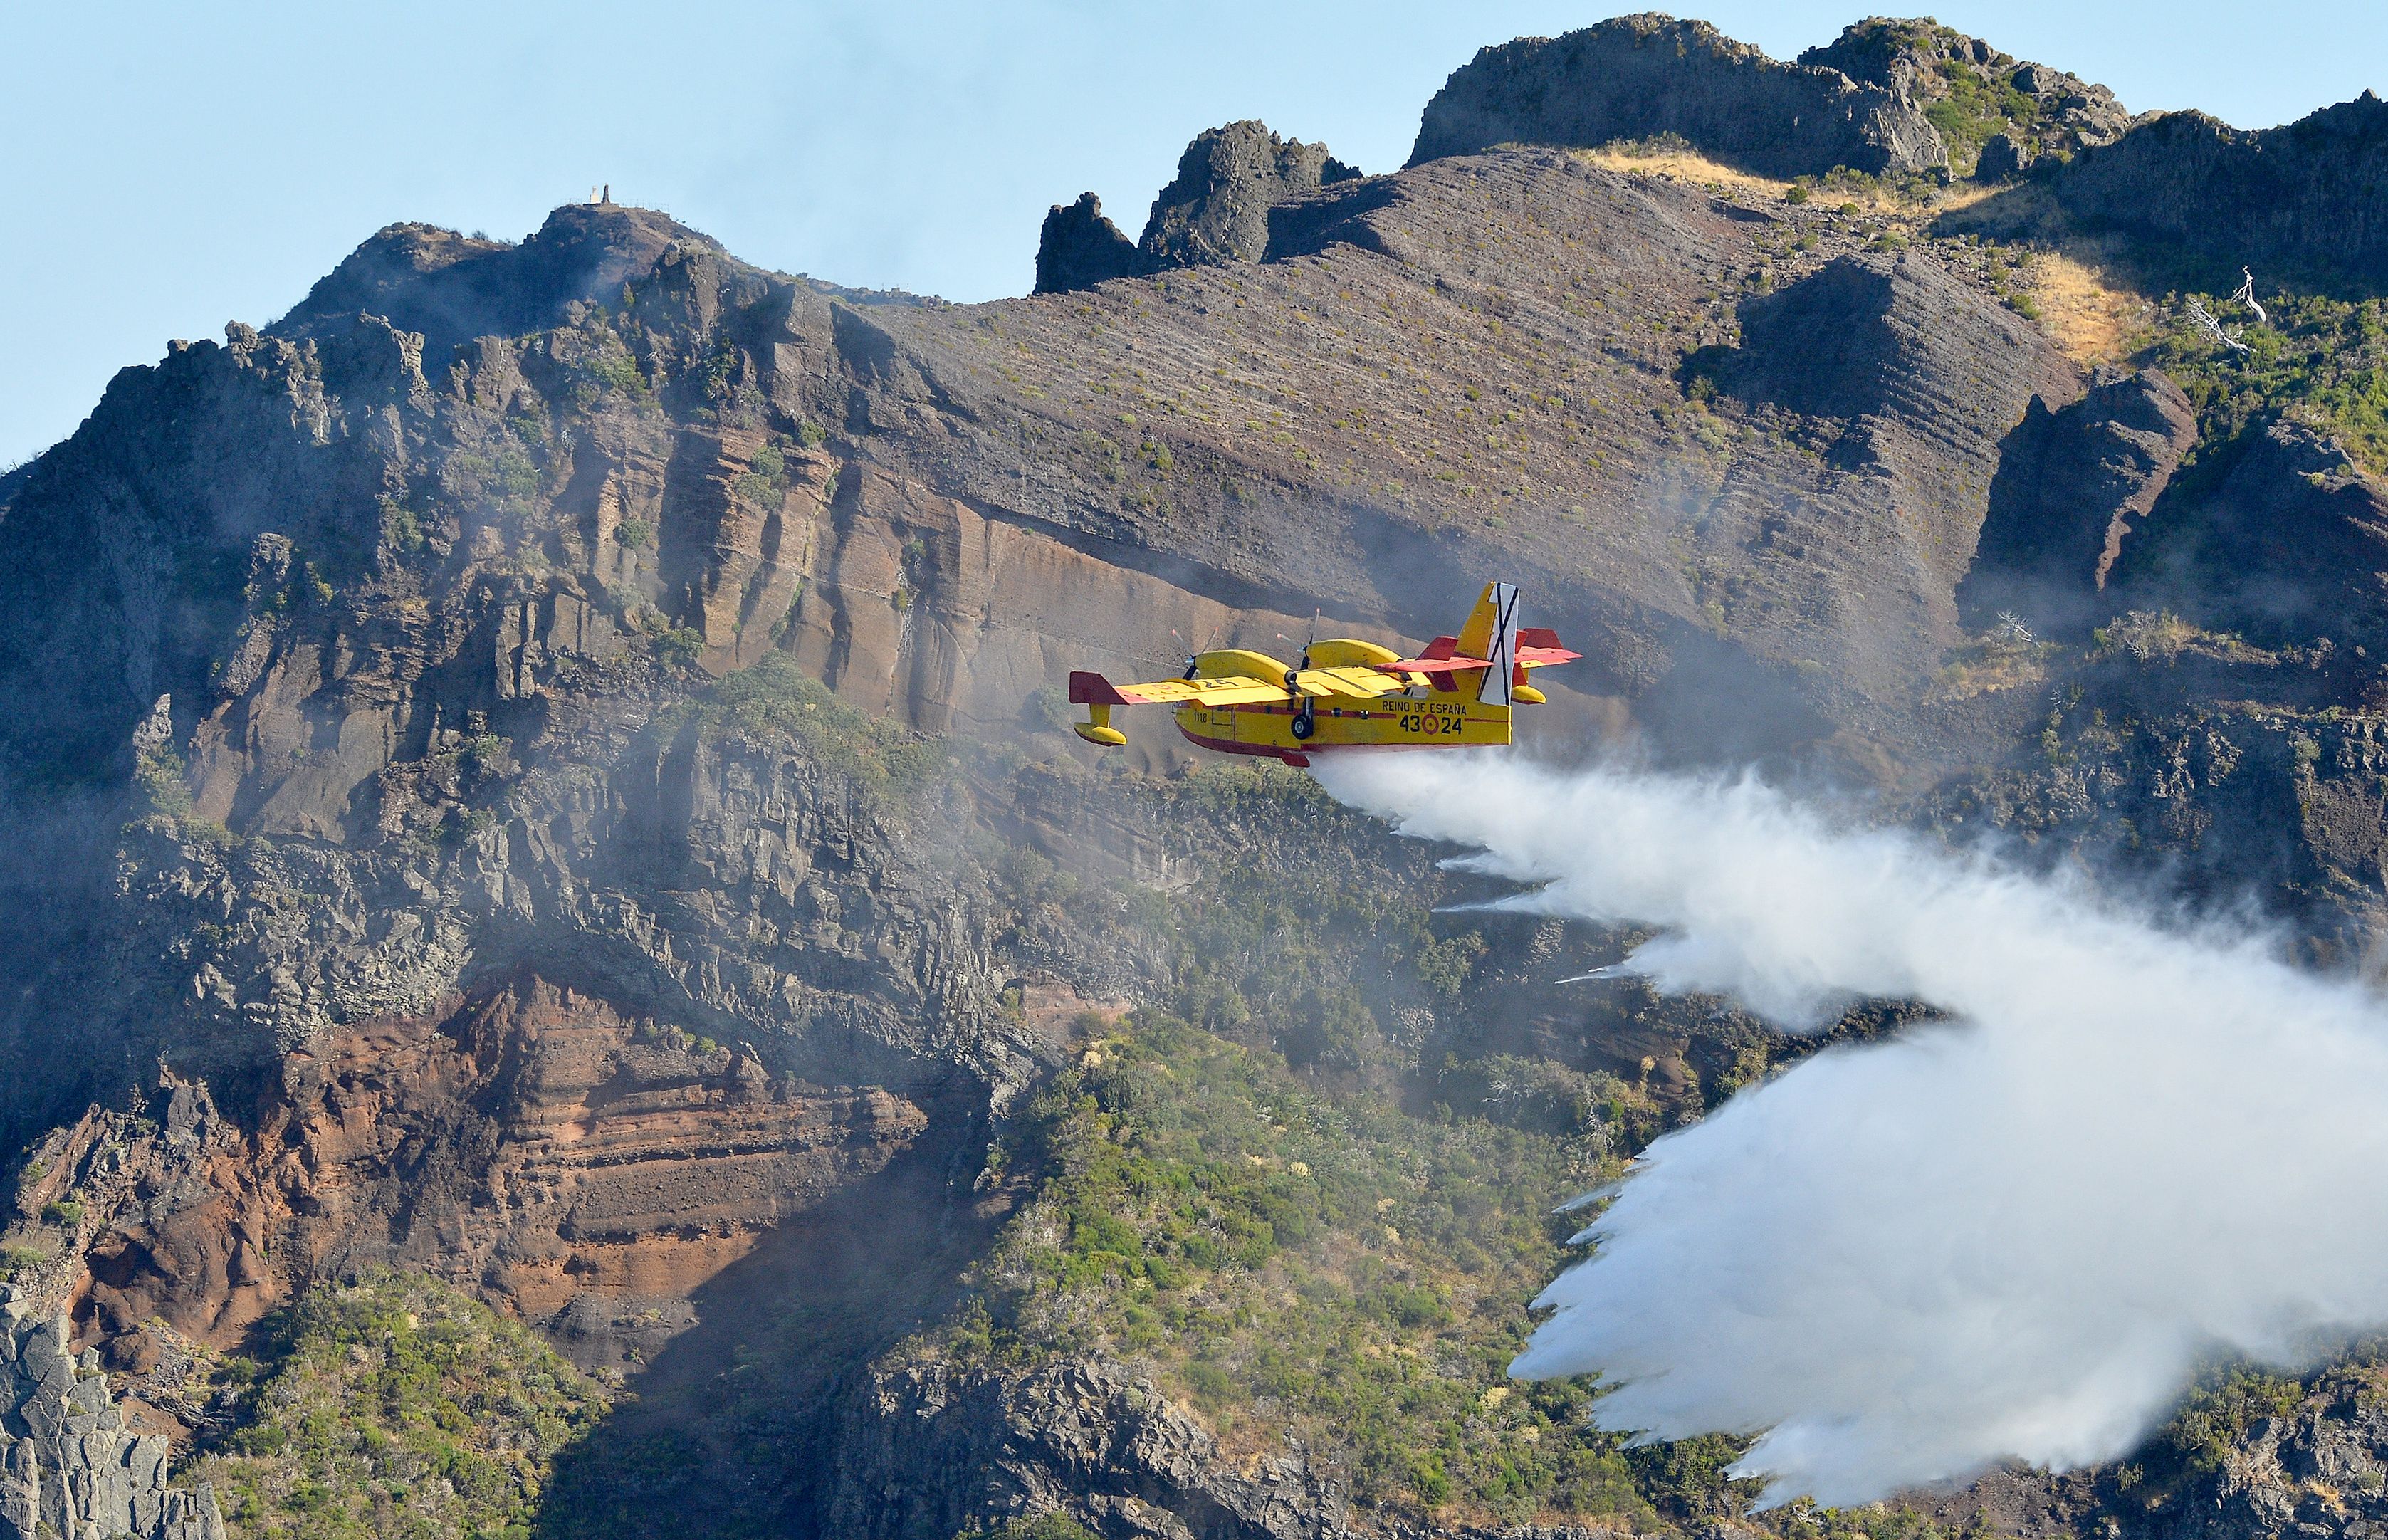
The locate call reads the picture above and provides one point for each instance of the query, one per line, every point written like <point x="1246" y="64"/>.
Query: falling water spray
<point x="2134" y="1143"/>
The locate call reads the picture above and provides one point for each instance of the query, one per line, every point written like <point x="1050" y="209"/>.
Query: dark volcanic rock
<point x="2001" y="159"/>
<point x="1870" y="336"/>
<point x="72" y="1466"/>
<point x="1216" y="210"/>
<point x="932" y="1448"/>
<point x="2305" y="196"/>
<point x="1932" y="63"/>
<point x="1080" y="248"/>
<point x="2072" y="487"/>
<point x="2293" y="545"/>
<point x="1639" y="76"/>
<point x="451" y="288"/>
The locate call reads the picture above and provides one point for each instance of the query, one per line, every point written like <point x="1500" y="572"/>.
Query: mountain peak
<point x="453" y="288"/>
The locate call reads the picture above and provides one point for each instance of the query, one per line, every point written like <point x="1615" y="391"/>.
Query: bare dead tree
<point x="2212" y="328"/>
<point x="2245" y="295"/>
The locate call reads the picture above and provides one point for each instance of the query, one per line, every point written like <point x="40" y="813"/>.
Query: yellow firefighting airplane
<point x="1346" y="694"/>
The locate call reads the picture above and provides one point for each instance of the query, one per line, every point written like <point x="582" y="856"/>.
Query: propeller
<point x="1305" y="713"/>
<point x="1306" y="644"/>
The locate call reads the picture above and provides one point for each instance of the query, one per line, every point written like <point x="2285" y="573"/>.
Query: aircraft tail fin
<point x="1490" y="633"/>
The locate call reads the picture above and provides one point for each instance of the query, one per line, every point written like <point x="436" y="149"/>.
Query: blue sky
<point x="166" y="167"/>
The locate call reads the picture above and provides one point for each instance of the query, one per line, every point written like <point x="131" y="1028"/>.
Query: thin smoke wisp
<point x="2015" y="1234"/>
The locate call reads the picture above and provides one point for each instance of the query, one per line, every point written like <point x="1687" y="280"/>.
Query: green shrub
<point x="2323" y="359"/>
<point x="394" y="1406"/>
<point x="680" y="645"/>
<point x="399" y="527"/>
<point x="1046" y="1526"/>
<point x="632" y="533"/>
<point x="66" y="1212"/>
<point x="1364" y="1270"/>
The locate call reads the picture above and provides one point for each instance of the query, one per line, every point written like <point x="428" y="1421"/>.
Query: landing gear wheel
<point x="1305" y="722"/>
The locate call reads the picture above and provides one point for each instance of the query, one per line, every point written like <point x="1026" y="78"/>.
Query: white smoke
<point x="2135" y="1146"/>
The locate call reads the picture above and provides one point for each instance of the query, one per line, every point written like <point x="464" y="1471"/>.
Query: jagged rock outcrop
<point x="451" y="288"/>
<point x="2073" y="485"/>
<point x="424" y="666"/>
<point x="1637" y="76"/>
<point x="928" y="1449"/>
<point x="2316" y="1467"/>
<point x="2049" y="111"/>
<point x="1216" y="208"/>
<point x="401" y="646"/>
<point x="1080" y="248"/>
<point x="2291" y="546"/>
<point x="2300" y="200"/>
<point x="2002" y="159"/>
<point x="69" y="1468"/>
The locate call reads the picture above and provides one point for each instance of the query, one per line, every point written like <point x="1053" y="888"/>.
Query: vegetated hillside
<point x="540" y="776"/>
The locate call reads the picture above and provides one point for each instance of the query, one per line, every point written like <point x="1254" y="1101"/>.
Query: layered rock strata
<point x="588" y="1170"/>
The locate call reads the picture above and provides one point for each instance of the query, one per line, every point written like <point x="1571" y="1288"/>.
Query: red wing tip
<point x="1090" y="689"/>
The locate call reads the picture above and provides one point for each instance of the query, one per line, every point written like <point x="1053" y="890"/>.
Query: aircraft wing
<point x="1356" y="683"/>
<point x="1360" y="683"/>
<point x="1237" y="690"/>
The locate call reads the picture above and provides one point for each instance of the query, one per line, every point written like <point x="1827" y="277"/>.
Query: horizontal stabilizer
<point x="1533" y="658"/>
<point x="1437" y="665"/>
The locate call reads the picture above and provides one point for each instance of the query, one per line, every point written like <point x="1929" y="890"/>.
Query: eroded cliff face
<point x="590" y="1171"/>
<point x="2212" y="197"/>
<point x="406" y="624"/>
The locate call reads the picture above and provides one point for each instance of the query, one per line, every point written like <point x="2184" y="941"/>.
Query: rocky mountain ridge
<point x="542" y="768"/>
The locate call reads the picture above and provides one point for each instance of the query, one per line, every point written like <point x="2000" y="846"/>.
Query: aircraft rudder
<point x="1500" y="680"/>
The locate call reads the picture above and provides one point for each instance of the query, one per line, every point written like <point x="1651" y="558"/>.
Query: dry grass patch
<point x="1982" y="672"/>
<point x="2090" y="318"/>
<point x="1682" y="165"/>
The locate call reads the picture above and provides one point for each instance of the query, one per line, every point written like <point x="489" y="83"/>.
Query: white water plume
<point x="2018" y="1234"/>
